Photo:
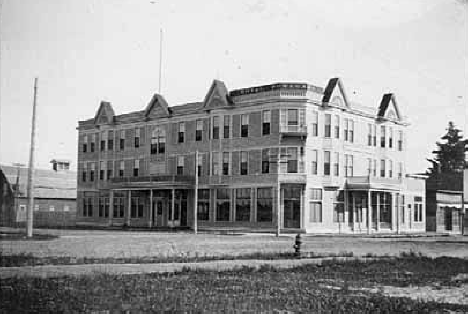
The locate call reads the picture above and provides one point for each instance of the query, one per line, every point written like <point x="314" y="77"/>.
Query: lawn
<point x="340" y="287"/>
<point x="118" y="244"/>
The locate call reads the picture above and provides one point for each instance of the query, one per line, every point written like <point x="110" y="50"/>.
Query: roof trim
<point x="217" y="91"/>
<point x="157" y="100"/>
<point x="105" y="108"/>
<point x="384" y="105"/>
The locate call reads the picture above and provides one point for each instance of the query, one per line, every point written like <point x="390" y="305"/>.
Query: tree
<point x="450" y="155"/>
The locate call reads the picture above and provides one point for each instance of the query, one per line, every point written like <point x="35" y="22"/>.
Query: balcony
<point x="370" y="182"/>
<point x="293" y="130"/>
<point x="152" y="181"/>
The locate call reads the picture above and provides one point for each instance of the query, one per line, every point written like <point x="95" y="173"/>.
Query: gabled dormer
<point x="335" y="94"/>
<point x="105" y="113"/>
<point x="157" y="107"/>
<point x="388" y="109"/>
<point x="217" y="96"/>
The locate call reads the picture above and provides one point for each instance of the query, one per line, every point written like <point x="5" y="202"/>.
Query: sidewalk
<point x="49" y="271"/>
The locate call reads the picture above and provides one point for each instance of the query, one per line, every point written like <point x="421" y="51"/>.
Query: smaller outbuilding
<point x="54" y="195"/>
<point x="444" y="203"/>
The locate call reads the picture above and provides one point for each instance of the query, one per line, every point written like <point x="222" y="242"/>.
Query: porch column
<point x="303" y="206"/>
<point x="369" y="211"/>
<point x="173" y="204"/>
<point x="346" y="209"/>
<point x="378" y="211"/>
<point x="150" y="223"/>
<point x="129" y="207"/>
<point x="397" y="212"/>
<point x="111" y="206"/>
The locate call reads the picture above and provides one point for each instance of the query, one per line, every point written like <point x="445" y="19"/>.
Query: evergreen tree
<point x="450" y="155"/>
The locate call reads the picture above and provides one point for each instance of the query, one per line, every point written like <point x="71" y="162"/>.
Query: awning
<point x="460" y="206"/>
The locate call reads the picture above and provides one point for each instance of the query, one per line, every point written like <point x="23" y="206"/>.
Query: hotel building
<point x="327" y="164"/>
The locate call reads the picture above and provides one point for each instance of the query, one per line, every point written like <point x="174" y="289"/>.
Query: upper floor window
<point x="327" y="125"/>
<point x="93" y="142"/>
<point x="180" y="165"/>
<point x="199" y="131"/>
<point x="349" y="165"/>
<point x="199" y="165"/>
<point x="215" y="131"/>
<point x="292" y="157"/>
<point x="326" y="163"/>
<point x="136" y="167"/>
<point x="374" y="135"/>
<point x="374" y="167"/>
<point x="382" y="167"/>
<point x="390" y="137"/>
<point x="102" y="170"/>
<point x="369" y="166"/>
<point x="84" y="173"/>
<point x="103" y="141"/>
<point x="158" y="141"/>
<point x="181" y="133"/>
<point x="337" y="126"/>
<point x="122" y="140"/>
<point x="85" y="143"/>
<point x="390" y="169"/>
<point x="336" y="164"/>
<point x="266" y="160"/>
<point x="266" y="121"/>
<point x="225" y="163"/>
<point x="110" y="140"/>
<point x="244" y="125"/>
<point x="369" y="135"/>
<point x="122" y="168"/>
<point x="293" y="117"/>
<point x="382" y="136"/>
<point x="91" y="174"/>
<point x="349" y="130"/>
<point x="215" y="163"/>
<point x="244" y="164"/>
<point x="313" y="158"/>
<point x="109" y="170"/>
<point x="400" y="170"/>
<point x="226" y="124"/>
<point x="137" y="138"/>
<point x="400" y="140"/>
<point x="314" y="123"/>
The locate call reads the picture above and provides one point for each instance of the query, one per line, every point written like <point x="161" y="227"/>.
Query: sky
<point x="91" y="50"/>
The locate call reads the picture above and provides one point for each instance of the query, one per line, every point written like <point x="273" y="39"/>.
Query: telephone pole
<point x="29" y="222"/>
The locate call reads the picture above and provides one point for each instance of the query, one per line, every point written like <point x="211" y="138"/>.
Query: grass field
<point x="118" y="244"/>
<point x="377" y="286"/>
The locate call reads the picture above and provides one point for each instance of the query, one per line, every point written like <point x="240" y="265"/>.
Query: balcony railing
<point x="294" y="130"/>
<point x="155" y="179"/>
<point x="373" y="182"/>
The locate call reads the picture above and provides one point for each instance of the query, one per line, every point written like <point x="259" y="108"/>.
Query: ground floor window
<point x="417" y="209"/>
<point x="137" y="207"/>
<point x="243" y="204"/>
<point x="338" y="206"/>
<point x="402" y="209"/>
<point x="88" y="206"/>
<point x="203" y="209"/>
<point x="103" y="207"/>
<point x="223" y="204"/>
<point x="119" y="203"/>
<point x="385" y="209"/>
<point x="315" y="205"/>
<point x="264" y="204"/>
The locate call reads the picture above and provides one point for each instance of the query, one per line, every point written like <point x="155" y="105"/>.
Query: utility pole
<point x="195" y="206"/>
<point x="29" y="222"/>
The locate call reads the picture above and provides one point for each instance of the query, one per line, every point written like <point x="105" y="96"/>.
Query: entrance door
<point x="448" y="218"/>
<point x="159" y="212"/>
<point x="292" y="213"/>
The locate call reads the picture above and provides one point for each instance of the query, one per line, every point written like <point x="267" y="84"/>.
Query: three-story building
<point x="326" y="164"/>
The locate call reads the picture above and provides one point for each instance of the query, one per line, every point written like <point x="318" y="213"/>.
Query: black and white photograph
<point x="216" y="156"/>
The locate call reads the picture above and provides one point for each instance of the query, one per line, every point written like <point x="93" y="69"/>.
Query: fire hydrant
<point x="297" y="245"/>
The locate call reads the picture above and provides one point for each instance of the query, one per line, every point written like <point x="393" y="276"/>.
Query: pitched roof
<point x="218" y="90"/>
<point x="385" y="103"/>
<point x="157" y="100"/>
<point x="47" y="183"/>
<point x="332" y="84"/>
<point x="105" y="109"/>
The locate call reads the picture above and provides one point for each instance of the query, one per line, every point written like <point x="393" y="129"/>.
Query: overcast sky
<point x="85" y="51"/>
